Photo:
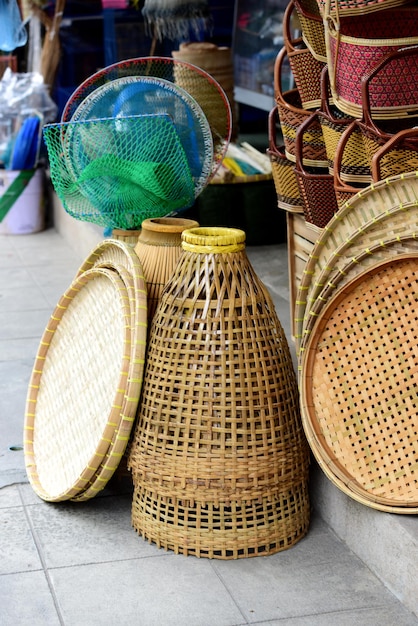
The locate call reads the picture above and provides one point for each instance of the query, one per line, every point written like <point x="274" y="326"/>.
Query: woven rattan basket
<point x="283" y="172"/>
<point x="358" y="387"/>
<point x="316" y="185"/>
<point x="360" y="45"/>
<point x="359" y="7"/>
<point x="219" y="460"/>
<point x="305" y="67"/>
<point x="370" y="207"/>
<point x="291" y="116"/>
<point x="312" y="28"/>
<point x="158" y="248"/>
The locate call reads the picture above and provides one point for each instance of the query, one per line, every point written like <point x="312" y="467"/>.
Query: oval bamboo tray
<point x="358" y="387"/>
<point x="368" y="204"/>
<point x="77" y="385"/>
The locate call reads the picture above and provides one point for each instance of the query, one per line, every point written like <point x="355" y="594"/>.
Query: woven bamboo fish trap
<point x="219" y="459"/>
<point x="362" y="430"/>
<point x="158" y="248"/>
<point x="127" y="236"/>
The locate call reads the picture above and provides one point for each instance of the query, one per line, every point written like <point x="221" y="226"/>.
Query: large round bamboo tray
<point x="365" y="206"/>
<point x="385" y="230"/>
<point x="358" y="387"/>
<point x="219" y="459"/>
<point x="77" y="386"/>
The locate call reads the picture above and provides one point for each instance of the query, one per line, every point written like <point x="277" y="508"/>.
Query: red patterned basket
<point x="359" y="45"/>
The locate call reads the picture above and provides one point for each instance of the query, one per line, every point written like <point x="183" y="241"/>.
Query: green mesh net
<point x="116" y="172"/>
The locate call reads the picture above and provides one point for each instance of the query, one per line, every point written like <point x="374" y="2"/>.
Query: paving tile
<point x="287" y="584"/>
<point x="14" y="298"/>
<point x="10" y="497"/>
<point x="25" y="600"/>
<point x="18" y="552"/>
<point x="377" y="616"/>
<point x="19" y="348"/>
<point x="23" y="324"/>
<point x="169" y="591"/>
<point x="100" y="529"/>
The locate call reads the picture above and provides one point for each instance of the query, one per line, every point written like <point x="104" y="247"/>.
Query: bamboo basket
<point x="363" y="45"/>
<point x="291" y="116"/>
<point x="305" y="67"/>
<point x="284" y="177"/>
<point x="158" y="248"/>
<point x="219" y="459"/>
<point x="365" y="208"/>
<point x="362" y="430"/>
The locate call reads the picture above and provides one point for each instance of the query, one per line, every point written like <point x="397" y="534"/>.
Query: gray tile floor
<point x="83" y="564"/>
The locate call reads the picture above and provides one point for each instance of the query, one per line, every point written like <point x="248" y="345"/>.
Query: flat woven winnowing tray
<point x="359" y="387"/>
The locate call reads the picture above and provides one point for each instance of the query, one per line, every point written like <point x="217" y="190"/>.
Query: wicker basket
<point x="363" y="44"/>
<point x="354" y="164"/>
<point x="219" y="460"/>
<point x="312" y="28"/>
<point x="362" y="430"/>
<point x="158" y="248"/>
<point x="305" y="67"/>
<point x="283" y="171"/>
<point x="359" y="7"/>
<point x="316" y="185"/>
<point x="398" y="155"/>
<point x="291" y="116"/>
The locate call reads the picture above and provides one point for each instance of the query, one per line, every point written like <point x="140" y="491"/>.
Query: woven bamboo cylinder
<point x="158" y="247"/>
<point x="219" y="459"/>
<point x="129" y="237"/>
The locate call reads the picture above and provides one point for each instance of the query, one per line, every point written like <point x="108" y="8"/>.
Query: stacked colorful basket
<point x="349" y="121"/>
<point x="358" y="87"/>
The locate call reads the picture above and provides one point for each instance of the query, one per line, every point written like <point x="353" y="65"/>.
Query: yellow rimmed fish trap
<point x="219" y="459"/>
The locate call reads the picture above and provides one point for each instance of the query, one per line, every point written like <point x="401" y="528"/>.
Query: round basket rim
<point x="392" y="192"/>
<point x="329" y="462"/>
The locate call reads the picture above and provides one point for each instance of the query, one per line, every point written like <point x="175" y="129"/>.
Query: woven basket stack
<point x="349" y="122"/>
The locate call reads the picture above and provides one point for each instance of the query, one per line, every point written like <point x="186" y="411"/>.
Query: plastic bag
<point x="13" y="33"/>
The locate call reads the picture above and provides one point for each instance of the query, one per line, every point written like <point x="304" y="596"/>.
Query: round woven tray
<point x="78" y="385"/>
<point x="372" y="238"/>
<point x="119" y="256"/>
<point x="341" y="275"/>
<point x="358" y="387"/>
<point x="366" y="206"/>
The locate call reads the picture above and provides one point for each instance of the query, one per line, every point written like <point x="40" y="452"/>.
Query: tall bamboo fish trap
<point x="219" y="459"/>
